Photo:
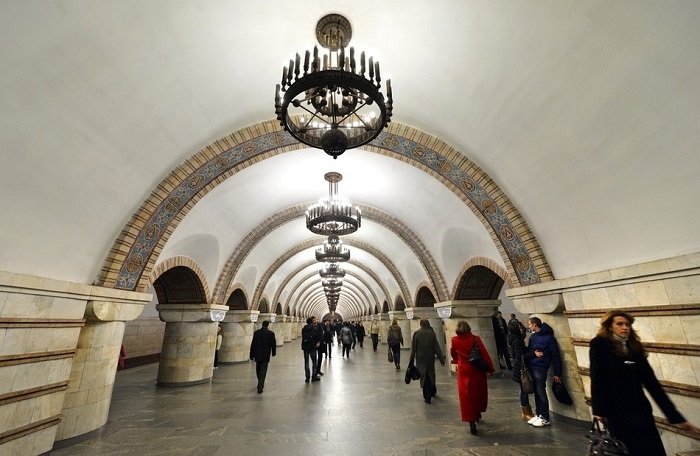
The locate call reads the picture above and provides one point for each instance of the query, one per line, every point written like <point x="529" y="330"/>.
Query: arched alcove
<point x="237" y="300"/>
<point x="425" y="298"/>
<point x="385" y="307"/>
<point x="399" y="304"/>
<point x="264" y="307"/>
<point x="179" y="285"/>
<point x="479" y="282"/>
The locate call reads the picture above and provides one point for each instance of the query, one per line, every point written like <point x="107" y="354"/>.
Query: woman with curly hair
<point x="619" y="370"/>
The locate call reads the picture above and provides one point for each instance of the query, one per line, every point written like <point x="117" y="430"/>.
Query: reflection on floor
<point x="360" y="407"/>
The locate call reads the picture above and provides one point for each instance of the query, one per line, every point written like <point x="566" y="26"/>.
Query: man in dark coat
<point x="424" y="349"/>
<point x="542" y="352"/>
<point x="500" y="332"/>
<point x="310" y="341"/>
<point x="262" y="345"/>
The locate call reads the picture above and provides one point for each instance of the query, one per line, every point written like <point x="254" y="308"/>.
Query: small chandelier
<point x="332" y="103"/>
<point x="334" y="215"/>
<point x="331" y="283"/>
<point x="333" y="251"/>
<point x="332" y="271"/>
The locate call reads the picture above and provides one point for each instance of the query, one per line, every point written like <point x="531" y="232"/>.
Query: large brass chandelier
<point x="334" y="215"/>
<point x="332" y="101"/>
<point x="332" y="251"/>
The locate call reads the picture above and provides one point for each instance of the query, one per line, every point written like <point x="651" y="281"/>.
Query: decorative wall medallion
<point x="418" y="152"/>
<point x="172" y="205"/>
<point x="133" y="263"/>
<point x="445" y="168"/>
<point x="152" y="231"/>
<point x="488" y="206"/>
<point x="523" y="262"/>
<point x="221" y="162"/>
<point x="507" y="232"/>
<point x="468" y="185"/>
<point x="390" y="141"/>
<point x="196" y="181"/>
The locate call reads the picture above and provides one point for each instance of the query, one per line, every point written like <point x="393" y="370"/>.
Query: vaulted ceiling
<point x="544" y="139"/>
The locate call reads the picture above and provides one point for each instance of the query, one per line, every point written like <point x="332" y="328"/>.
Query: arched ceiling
<point x="584" y="114"/>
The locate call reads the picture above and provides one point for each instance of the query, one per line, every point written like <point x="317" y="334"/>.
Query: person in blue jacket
<point x="542" y="352"/>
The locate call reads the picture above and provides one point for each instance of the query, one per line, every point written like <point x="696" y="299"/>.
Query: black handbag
<point x="602" y="443"/>
<point x="411" y="374"/>
<point x="476" y="360"/>
<point x="561" y="393"/>
<point x="390" y="356"/>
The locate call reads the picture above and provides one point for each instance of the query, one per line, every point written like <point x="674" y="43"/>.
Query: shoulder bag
<point x="390" y="356"/>
<point x="602" y="443"/>
<point x="475" y="358"/>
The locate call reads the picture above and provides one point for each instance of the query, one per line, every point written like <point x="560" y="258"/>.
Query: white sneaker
<point x="533" y="419"/>
<point x="540" y="422"/>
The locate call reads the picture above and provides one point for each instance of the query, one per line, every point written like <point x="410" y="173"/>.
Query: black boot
<point x="472" y="427"/>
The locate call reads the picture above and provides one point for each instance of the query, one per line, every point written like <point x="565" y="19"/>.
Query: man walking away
<point x="542" y="352"/>
<point x="424" y="349"/>
<point x="262" y="345"/>
<point x="309" y="343"/>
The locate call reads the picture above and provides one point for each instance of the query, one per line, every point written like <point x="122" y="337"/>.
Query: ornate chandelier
<point x="332" y="103"/>
<point x="334" y="215"/>
<point x="332" y="251"/>
<point x="332" y="271"/>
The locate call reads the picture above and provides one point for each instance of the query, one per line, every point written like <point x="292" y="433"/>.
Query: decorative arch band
<point x="136" y="249"/>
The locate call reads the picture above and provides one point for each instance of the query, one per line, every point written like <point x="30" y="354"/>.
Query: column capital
<point x="421" y="313"/>
<point x="174" y="313"/>
<point x="109" y="307"/>
<point x="467" y="308"/>
<point x="241" y="316"/>
<point x="271" y="317"/>
<point x="397" y="314"/>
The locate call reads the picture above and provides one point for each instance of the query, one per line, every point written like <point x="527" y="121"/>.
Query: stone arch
<point x="412" y="240"/>
<point x="237" y="300"/>
<point x="179" y="285"/>
<point x="385" y="307"/>
<point x="136" y="249"/>
<point x="487" y="263"/>
<point x="399" y="304"/>
<point x="278" y="309"/>
<point x="479" y="282"/>
<point x="263" y="306"/>
<point x="424" y="297"/>
<point x="183" y="261"/>
<point x="262" y="283"/>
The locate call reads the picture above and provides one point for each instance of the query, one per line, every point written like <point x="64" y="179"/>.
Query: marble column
<point x="288" y="326"/>
<point x="187" y="356"/>
<point x="237" y="331"/>
<point x="475" y="312"/>
<point x="405" y="326"/>
<point x="89" y="394"/>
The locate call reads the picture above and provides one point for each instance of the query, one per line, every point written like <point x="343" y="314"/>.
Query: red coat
<point x="471" y="382"/>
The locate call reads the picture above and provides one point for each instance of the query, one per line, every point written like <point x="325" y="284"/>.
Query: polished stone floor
<point x="360" y="407"/>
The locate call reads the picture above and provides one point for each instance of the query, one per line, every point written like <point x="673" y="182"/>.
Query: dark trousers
<point x="310" y="358"/>
<point x="261" y="372"/>
<point x="216" y="358"/>
<point x="375" y="341"/>
<point x="346" y="350"/>
<point x="429" y="389"/>
<point x="539" y="377"/>
<point x="524" y="397"/>
<point x="319" y="360"/>
<point x="361" y="339"/>
<point x="397" y="354"/>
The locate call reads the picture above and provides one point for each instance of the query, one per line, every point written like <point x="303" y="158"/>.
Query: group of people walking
<point x="619" y="369"/>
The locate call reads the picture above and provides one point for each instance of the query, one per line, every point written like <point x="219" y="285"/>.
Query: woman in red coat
<point x="471" y="381"/>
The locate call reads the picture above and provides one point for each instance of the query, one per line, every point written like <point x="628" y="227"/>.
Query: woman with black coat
<point x="516" y="339"/>
<point x="619" y="370"/>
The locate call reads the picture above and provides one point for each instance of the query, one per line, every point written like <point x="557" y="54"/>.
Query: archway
<point x="425" y="298"/>
<point x="237" y="300"/>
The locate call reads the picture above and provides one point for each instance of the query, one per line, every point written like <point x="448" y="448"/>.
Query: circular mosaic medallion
<point x="488" y="206"/>
<point x="418" y="152"/>
<point x="196" y="181"/>
<point x="172" y="205"/>
<point x="152" y="231"/>
<point x="468" y="185"/>
<point x="221" y="162"/>
<point x="134" y="263"/>
<point x="391" y="142"/>
<point x="523" y="262"/>
<point x="248" y="148"/>
<point x="507" y="232"/>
